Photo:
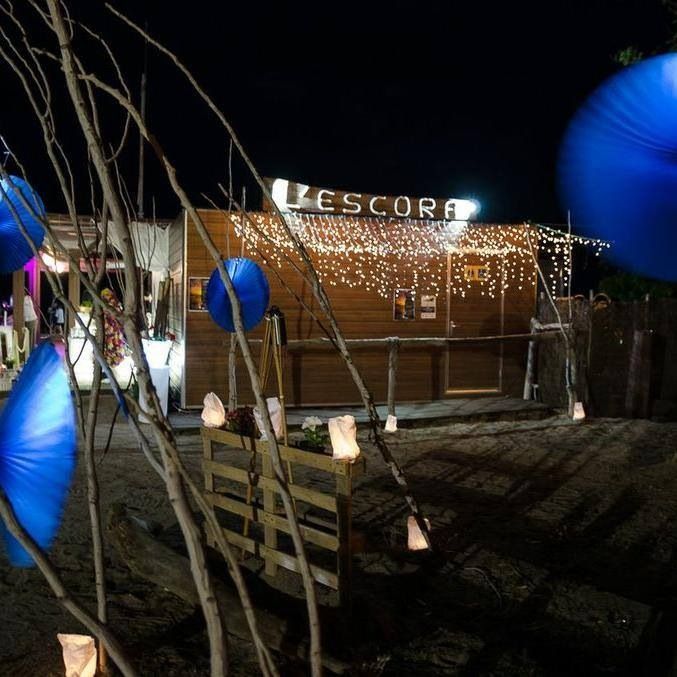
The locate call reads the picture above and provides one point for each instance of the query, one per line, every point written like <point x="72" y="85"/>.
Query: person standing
<point x="59" y="318"/>
<point x="30" y="318"/>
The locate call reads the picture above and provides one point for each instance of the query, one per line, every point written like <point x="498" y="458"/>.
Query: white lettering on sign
<point x="356" y="206"/>
<point x="407" y="201"/>
<point x="320" y="200"/>
<point x="372" y="202"/>
<point x="291" y="196"/>
<point x="427" y="210"/>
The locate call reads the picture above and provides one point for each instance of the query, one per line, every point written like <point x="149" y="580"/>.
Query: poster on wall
<point x="197" y="293"/>
<point x="428" y="307"/>
<point x="404" y="304"/>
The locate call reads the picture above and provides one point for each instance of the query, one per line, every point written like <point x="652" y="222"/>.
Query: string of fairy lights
<point x="383" y="254"/>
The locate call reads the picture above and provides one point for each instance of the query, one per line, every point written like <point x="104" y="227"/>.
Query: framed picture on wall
<point x="404" y="304"/>
<point x="197" y="294"/>
<point x="428" y="309"/>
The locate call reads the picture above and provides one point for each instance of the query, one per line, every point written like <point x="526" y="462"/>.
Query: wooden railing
<point x="260" y="504"/>
<point x="395" y="342"/>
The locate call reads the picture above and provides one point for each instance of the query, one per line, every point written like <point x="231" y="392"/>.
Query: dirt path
<point x="558" y="558"/>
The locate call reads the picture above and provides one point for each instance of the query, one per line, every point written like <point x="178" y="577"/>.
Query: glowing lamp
<point x="579" y="411"/>
<point x="343" y="435"/>
<point x="391" y="424"/>
<point x="79" y="655"/>
<point x="214" y="413"/>
<point x="415" y="538"/>
<point x="275" y="412"/>
<point x="157" y="352"/>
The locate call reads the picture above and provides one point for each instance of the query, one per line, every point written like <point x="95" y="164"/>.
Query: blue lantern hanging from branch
<point x="252" y="290"/>
<point x="15" y="250"/>
<point x="37" y="449"/>
<point x="618" y="166"/>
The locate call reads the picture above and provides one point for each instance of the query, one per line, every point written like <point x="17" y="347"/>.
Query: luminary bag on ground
<point x="343" y="434"/>
<point x="415" y="538"/>
<point x="79" y="655"/>
<point x="214" y="413"/>
<point x="579" y="411"/>
<point x="275" y="411"/>
<point x="391" y="424"/>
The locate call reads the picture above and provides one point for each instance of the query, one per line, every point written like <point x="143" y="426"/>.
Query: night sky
<point x="457" y="99"/>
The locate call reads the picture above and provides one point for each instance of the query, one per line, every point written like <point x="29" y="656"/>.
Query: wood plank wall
<point x="317" y="375"/>
<point x="176" y="312"/>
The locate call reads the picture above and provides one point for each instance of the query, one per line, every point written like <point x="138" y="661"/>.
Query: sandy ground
<point x="557" y="557"/>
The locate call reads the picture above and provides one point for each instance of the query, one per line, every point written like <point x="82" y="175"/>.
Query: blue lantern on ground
<point x="618" y="167"/>
<point x="251" y="287"/>
<point x="15" y="251"/>
<point x="37" y="450"/>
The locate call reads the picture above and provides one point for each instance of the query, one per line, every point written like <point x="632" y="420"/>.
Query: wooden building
<point x="459" y="280"/>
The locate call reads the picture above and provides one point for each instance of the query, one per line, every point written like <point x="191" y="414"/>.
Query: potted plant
<point x="86" y="306"/>
<point x="315" y="438"/>
<point x="241" y="421"/>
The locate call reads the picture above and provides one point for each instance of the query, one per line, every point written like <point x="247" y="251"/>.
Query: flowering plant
<point x="314" y="436"/>
<point x="240" y="420"/>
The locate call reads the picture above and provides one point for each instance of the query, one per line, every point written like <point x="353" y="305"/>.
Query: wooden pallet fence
<point x="333" y="535"/>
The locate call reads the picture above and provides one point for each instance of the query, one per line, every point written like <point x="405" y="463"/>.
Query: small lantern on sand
<point x="79" y="655"/>
<point x="214" y="413"/>
<point x="391" y="424"/>
<point x="416" y="539"/>
<point x="579" y="411"/>
<point x="275" y="412"/>
<point x="343" y="434"/>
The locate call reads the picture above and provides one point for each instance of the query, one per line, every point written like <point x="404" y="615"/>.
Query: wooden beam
<point x="18" y="301"/>
<point x="73" y="287"/>
<point x="311" y="496"/>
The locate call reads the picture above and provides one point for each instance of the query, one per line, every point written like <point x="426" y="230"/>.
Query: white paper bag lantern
<point x="391" y="424"/>
<point x="579" y="411"/>
<point x="415" y="538"/>
<point x="275" y="412"/>
<point x="343" y="435"/>
<point x="79" y="655"/>
<point x="214" y="413"/>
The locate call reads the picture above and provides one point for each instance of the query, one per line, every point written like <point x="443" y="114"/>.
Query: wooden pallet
<point x="333" y="535"/>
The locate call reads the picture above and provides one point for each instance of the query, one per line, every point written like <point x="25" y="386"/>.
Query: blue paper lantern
<point x="15" y="251"/>
<point x="37" y="450"/>
<point x="618" y="167"/>
<point x="251" y="287"/>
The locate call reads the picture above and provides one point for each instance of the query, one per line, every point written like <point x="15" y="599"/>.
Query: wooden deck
<point x="409" y="415"/>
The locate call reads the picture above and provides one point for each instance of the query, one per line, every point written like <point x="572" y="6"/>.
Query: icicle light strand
<point x="380" y="255"/>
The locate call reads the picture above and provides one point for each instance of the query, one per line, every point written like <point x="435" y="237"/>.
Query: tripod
<point x="272" y="355"/>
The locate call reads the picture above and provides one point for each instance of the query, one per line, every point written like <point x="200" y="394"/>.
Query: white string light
<point x="382" y="254"/>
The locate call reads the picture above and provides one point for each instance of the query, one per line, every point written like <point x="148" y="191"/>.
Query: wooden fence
<point x="395" y="342"/>
<point x="250" y="496"/>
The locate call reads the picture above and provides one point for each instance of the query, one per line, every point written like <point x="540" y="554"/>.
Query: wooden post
<point x="344" y="493"/>
<point x="74" y="286"/>
<point x="232" y="378"/>
<point x="638" y="392"/>
<point x="393" y="349"/>
<point x="208" y="455"/>
<point x="18" y="300"/>
<point x="527" y="393"/>
<point x="269" y="533"/>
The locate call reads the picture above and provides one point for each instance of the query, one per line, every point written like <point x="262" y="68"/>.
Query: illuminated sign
<point x="297" y="197"/>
